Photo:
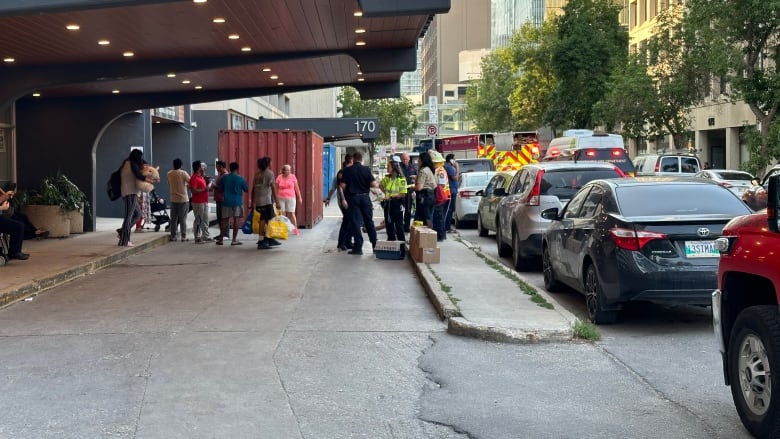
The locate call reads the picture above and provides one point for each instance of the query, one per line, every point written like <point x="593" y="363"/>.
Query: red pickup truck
<point x="746" y="315"/>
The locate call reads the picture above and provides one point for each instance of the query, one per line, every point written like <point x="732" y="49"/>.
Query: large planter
<point x="76" y="221"/>
<point x="51" y="218"/>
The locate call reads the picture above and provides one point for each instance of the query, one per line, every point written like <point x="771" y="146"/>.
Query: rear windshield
<point x="735" y="176"/>
<point x="616" y="156"/>
<point x="697" y="199"/>
<point x="475" y="180"/>
<point x="565" y="183"/>
<point x="476" y="165"/>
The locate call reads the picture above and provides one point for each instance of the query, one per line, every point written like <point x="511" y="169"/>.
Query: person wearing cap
<point x="393" y="184"/>
<point x="440" y="209"/>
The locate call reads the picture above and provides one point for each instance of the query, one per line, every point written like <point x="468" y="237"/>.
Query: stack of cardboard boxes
<point x="422" y="245"/>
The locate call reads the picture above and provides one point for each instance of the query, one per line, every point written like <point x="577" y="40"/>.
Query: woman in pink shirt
<point x="288" y="192"/>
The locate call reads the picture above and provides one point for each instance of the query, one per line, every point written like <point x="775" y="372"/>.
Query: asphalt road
<point x="188" y="341"/>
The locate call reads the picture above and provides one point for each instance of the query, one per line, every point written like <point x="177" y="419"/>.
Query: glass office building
<point x="509" y="15"/>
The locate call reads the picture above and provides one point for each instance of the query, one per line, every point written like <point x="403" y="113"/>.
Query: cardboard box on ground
<point x="423" y="245"/>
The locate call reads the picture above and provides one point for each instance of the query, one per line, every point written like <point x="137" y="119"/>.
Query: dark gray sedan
<point x="638" y="239"/>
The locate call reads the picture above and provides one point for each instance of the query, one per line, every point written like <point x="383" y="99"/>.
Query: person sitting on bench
<point x="14" y="229"/>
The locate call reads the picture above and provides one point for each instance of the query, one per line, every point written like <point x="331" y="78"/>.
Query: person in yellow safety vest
<point x="440" y="209"/>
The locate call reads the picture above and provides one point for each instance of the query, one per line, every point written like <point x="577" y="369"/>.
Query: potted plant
<point x="56" y="204"/>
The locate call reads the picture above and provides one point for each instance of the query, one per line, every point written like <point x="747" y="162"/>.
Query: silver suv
<point x="677" y="164"/>
<point x="535" y="188"/>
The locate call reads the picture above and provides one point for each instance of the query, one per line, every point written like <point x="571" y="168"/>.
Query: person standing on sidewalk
<point x="130" y="173"/>
<point x="233" y="186"/>
<point x="410" y="172"/>
<point x="263" y="196"/>
<point x="425" y="185"/>
<point x="200" y="203"/>
<point x="394" y="186"/>
<point x="289" y="192"/>
<point x="453" y="173"/>
<point x="345" y="234"/>
<point x="358" y="181"/>
<point x="178" y="179"/>
<point x="219" y="196"/>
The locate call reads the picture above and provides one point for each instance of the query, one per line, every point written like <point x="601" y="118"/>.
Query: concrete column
<point x="733" y="152"/>
<point x="702" y="145"/>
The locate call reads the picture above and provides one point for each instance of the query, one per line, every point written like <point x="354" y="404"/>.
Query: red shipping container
<point x="302" y="150"/>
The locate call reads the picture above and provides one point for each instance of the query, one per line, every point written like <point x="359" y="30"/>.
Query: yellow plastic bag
<point x="255" y="222"/>
<point x="277" y="228"/>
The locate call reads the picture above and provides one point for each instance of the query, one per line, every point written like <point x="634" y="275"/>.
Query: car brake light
<point x="657" y="166"/>
<point x="617" y="152"/>
<point x="628" y="239"/>
<point x="536" y="191"/>
<point x="590" y="153"/>
<point x="467" y="194"/>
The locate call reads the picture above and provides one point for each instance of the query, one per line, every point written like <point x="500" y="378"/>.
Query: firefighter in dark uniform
<point x="358" y="180"/>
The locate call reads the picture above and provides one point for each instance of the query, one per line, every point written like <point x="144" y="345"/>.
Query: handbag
<point x="277" y="228"/>
<point x="246" y="228"/>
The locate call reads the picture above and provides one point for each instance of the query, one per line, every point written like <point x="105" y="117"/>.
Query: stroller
<point x="159" y="211"/>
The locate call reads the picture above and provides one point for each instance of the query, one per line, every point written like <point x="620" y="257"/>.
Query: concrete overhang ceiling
<point x="201" y="51"/>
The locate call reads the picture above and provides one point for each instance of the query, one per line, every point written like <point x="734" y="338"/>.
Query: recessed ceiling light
<point x="219" y="20"/>
<point x="9" y="59"/>
<point x="198" y="87"/>
<point x="360" y="30"/>
<point x="73" y="27"/>
<point x="104" y="42"/>
<point x="233" y="37"/>
<point x="280" y="83"/>
<point x="186" y="81"/>
<point x="36" y="94"/>
<point x="361" y="79"/>
<point x="199" y="1"/>
<point x="116" y="92"/>
<point x="128" y="54"/>
<point x="267" y="69"/>
<point x="274" y="76"/>
<point x="359" y="73"/>
<point x="171" y="75"/>
<point x="358" y="13"/>
<point x="360" y="43"/>
<point x="246" y="49"/>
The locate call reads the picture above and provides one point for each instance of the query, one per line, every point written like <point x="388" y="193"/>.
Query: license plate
<point x="701" y="249"/>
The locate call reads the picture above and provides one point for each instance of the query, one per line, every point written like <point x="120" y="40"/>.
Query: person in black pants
<point x="410" y="172"/>
<point x="358" y="180"/>
<point x="345" y="235"/>
<point x="14" y="229"/>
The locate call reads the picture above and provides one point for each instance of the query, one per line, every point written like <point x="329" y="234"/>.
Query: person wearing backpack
<point x="130" y="172"/>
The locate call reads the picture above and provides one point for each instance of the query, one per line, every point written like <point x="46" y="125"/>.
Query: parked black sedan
<point x="644" y="239"/>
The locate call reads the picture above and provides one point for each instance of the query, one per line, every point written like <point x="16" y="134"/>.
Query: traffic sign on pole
<point x="433" y="130"/>
<point x="393" y="138"/>
<point x="433" y="110"/>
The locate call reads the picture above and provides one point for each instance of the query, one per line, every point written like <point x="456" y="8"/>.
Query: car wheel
<point x="520" y="262"/>
<point x="594" y="299"/>
<point x="550" y="284"/>
<point x="503" y="249"/>
<point x="754" y="348"/>
<point x="482" y="230"/>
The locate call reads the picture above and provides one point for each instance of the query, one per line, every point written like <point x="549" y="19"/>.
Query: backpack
<point x="114" y="186"/>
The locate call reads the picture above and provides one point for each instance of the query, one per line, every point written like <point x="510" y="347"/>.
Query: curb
<point x="459" y="325"/>
<point x="37" y="286"/>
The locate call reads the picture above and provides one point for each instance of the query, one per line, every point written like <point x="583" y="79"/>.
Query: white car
<point x="468" y="201"/>
<point x="735" y="181"/>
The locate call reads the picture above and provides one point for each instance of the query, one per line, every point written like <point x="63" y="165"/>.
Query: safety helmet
<point x="436" y="156"/>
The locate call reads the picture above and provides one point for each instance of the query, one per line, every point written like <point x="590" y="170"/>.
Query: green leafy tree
<point x="630" y="100"/>
<point x="531" y="49"/>
<point x="590" y="44"/>
<point x="738" y="39"/>
<point x="487" y="99"/>
<point x="398" y="113"/>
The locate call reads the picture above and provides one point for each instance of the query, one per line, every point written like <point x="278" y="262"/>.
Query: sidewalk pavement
<point x="478" y="296"/>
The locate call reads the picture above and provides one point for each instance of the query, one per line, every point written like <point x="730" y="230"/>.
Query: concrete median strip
<point x="542" y="319"/>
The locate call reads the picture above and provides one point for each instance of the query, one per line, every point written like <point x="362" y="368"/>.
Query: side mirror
<point x="550" y="214"/>
<point x="499" y="192"/>
<point x="773" y="204"/>
<point x="480" y="193"/>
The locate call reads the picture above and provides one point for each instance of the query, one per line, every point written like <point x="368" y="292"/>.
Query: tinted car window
<point x="616" y="156"/>
<point x="670" y="164"/>
<point x="573" y="207"/>
<point x="690" y="165"/>
<point x="591" y="204"/>
<point x="565" y="183"/>
<point x="735" y="176"/>
<point x="704" y="199"/>
<point x="494" y="182"/>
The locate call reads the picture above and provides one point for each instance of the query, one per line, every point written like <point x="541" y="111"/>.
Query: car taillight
<point x="536" y="191"/>
<point x="590" y="153"/>
<point x="467" y="194"/>
<point x="628" y="239"/>
<point x="617" y="152"/>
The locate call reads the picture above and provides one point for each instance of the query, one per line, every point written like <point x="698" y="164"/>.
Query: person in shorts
<point x="289" y="192"/>
<point x="233" y="187"/>
<point x="263" y="196"/>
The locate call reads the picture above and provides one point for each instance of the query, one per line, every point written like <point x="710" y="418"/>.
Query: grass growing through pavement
<point x="444" y="287"/>
<point x="524" y="287"/>
<point x="586" y="331"/>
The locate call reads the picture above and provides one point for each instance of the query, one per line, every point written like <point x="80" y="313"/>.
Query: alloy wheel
<point x="755" y="377"/>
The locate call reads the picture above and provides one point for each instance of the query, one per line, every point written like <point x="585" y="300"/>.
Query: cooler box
<point x="390" y="250"/>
